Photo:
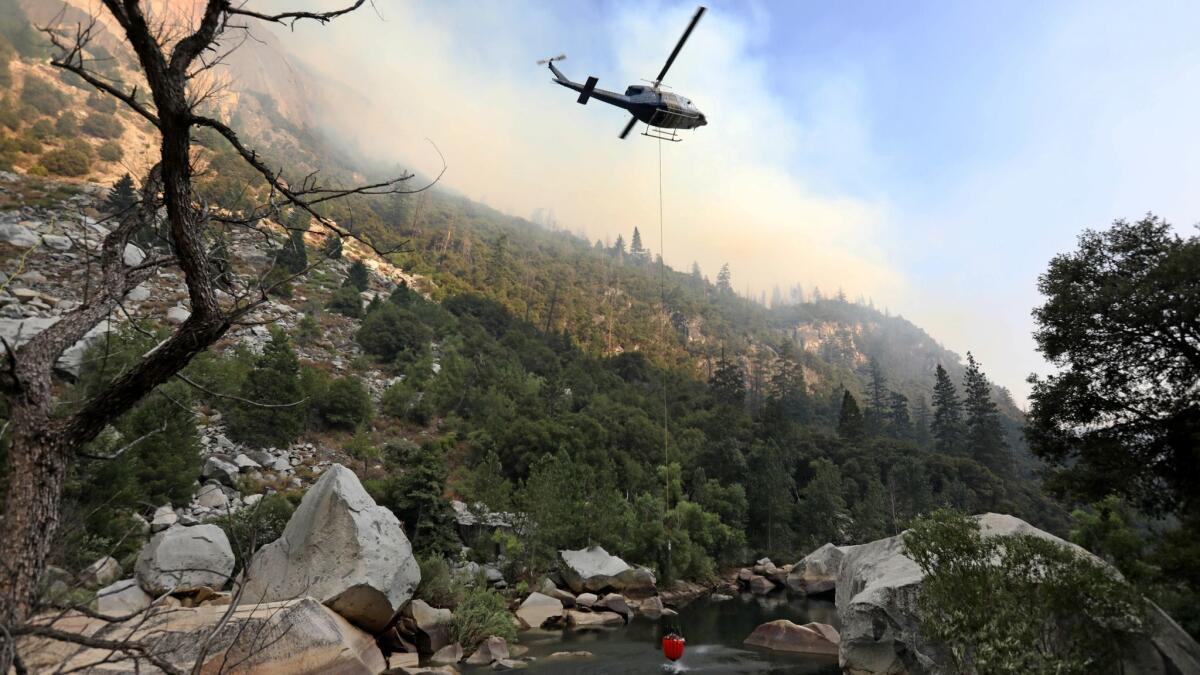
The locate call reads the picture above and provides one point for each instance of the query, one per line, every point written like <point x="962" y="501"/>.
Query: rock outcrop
<point x="784" y="636"/>
<point x="185" y="558"/>
<point x="299" y="637"/>
<point x="593" y="570"/>
<point x="539" y="608"/>
<point x="877" y="591"/>
<point x="817" y="572"/>
<point x="342" y="549"/>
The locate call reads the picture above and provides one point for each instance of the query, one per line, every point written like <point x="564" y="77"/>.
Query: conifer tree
<point x="850" y="420"/>
<point x="728" y="382"/>
<point x="770" y="494"/>
<point x="870" y="512"/>
<point x="636" y="250"/>
<point x="121" y="196"/>
<point x="725" y="280"/>
<point x="332" y="248"/>
<point x="293" y="256"/>
<point x="697" y="275"/>
<point x="899" y="423"/>
<point x="984" y="437"/>
<point x="921" y="421"/>
<point x="788" y="395"/>
<point x="947" y="426"/>
<point x="823" y="504"/>
<point x="619" y="247"/>
<point x="356" y="276"/>
<point x="878" y="404"/>
<point x="274" y="381"/>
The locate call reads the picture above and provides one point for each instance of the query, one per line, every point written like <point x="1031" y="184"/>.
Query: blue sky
<point x="930" y="155"/>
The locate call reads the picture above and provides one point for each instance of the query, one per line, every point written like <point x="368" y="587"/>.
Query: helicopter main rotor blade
<point x="629" y="127"/>
<point x="686" y="34"/>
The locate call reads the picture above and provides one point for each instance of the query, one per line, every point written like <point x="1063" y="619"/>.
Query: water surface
<point x="714" y="632"/>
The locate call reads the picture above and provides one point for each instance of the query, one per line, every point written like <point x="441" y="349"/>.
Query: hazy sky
<point x="930" y="155"/>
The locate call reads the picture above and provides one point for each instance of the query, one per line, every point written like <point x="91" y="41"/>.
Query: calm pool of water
<point x="714" y="632"/>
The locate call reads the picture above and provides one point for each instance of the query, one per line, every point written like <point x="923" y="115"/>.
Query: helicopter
<point x="663" y="112"/>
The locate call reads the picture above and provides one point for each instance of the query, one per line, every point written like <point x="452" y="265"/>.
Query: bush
<point x="66" y="162"/>
<point x="344" y="404"/>
<point x="101" y="125"/>
<point x="275" y="381"/>
<point x="438" y="587"/>
<point x="110" y="151"/>
<point x="481" y="614"/>
<point x="1019" y="604"/>
<point x="9" y="115"/>
<point x="43" y="129"/>
<point x="67" y="125"/>
<point x="251" y="529"/>
<point x="38" y="170"/>
<point x="29" y="144"/>
<point x="42" y="96"/>
<point x="389" y="331"/>
<point x="101" y="102"/>
<point x="346" y="301"/>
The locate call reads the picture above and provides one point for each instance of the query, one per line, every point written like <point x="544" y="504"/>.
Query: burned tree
<point x="44" y="437"/>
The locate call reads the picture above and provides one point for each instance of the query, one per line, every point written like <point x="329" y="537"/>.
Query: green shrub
<point x="9" y="115"/>
<point x="389" y="331"/>
<point x="67" y="125"/>
<point x="102" y="102"/>
<point x="110" y="151"/>
<point x="38" y="170"/>
<point x="344" y="404"/>
<point x="43" y="129"/>
<point x="481" y="614"/>
<point x="66" y="162"/>
<point x="346" y="301"/>
<point x="101" y="125"/>
<point x="42" y="96"/>
<point x="274" y="381"/>
<point x="29" y="144"/>
<point x="252" y="528"/>
<point x="1018" y="604"/>
<point x="438" y="587"/>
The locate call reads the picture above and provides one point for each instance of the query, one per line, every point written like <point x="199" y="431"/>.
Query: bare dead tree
<point x="43" y="440"/>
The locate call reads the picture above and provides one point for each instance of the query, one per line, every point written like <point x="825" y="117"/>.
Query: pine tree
<point x="823" y="505"/>
<point x="921" y="421"/>
<point x="769" y="495"/>
<point x="850" y="420"/>
<point x="619" y="247"/>
<point x="697" y="275"/>
<point x="985" y="437"/>
<point x="787" y="399"/>
<point x="870" y="513"/>
<point x="899" y="424"/>
<point x="121" y="195"/>
<point x="332" y="248"/>
<point x="357" y="276"/>
<point x="293" y="255"/>
<point x="275" y="381"/>
<point x="725" y="280"/>
<point x="636" y="251"/>
<point x="947" y="426"/>
<point x="877" y="409"/>
<point x="728" y="382"/>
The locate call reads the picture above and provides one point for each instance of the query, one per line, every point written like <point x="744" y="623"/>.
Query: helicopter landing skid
<point x="661" y="134"/>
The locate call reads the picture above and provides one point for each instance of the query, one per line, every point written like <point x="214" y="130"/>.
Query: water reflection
<point x="714" y="632"/>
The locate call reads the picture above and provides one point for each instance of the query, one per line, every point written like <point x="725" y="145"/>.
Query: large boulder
<point x="877" y="591"/>
<point x="220" y="469"/>
<point x="18" y="235"/>
<point x="817" y="572"/>
<point x="102" y="572"/>
<point x="593" y="570"/>
<point x="492" y="649"/>
<point x="784" y="636"/>
<point x="430" y="625"/>
<point x="298" y="637"/>
<point x="185" y="558"/>
<point x="122" y="598"/>
<point x="539" y="608"/>
<point x="341" y="548"/>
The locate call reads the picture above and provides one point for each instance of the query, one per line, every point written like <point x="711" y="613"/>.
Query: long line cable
<point x="662" y="290"/>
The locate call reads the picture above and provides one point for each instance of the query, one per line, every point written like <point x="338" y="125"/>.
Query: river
<point x="714" y="631"/>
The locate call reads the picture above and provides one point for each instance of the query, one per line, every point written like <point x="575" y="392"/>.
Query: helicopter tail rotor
<point x="552" y="59"/>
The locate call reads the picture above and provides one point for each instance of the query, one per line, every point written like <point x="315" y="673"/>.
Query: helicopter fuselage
<point x="648" y="104"/>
